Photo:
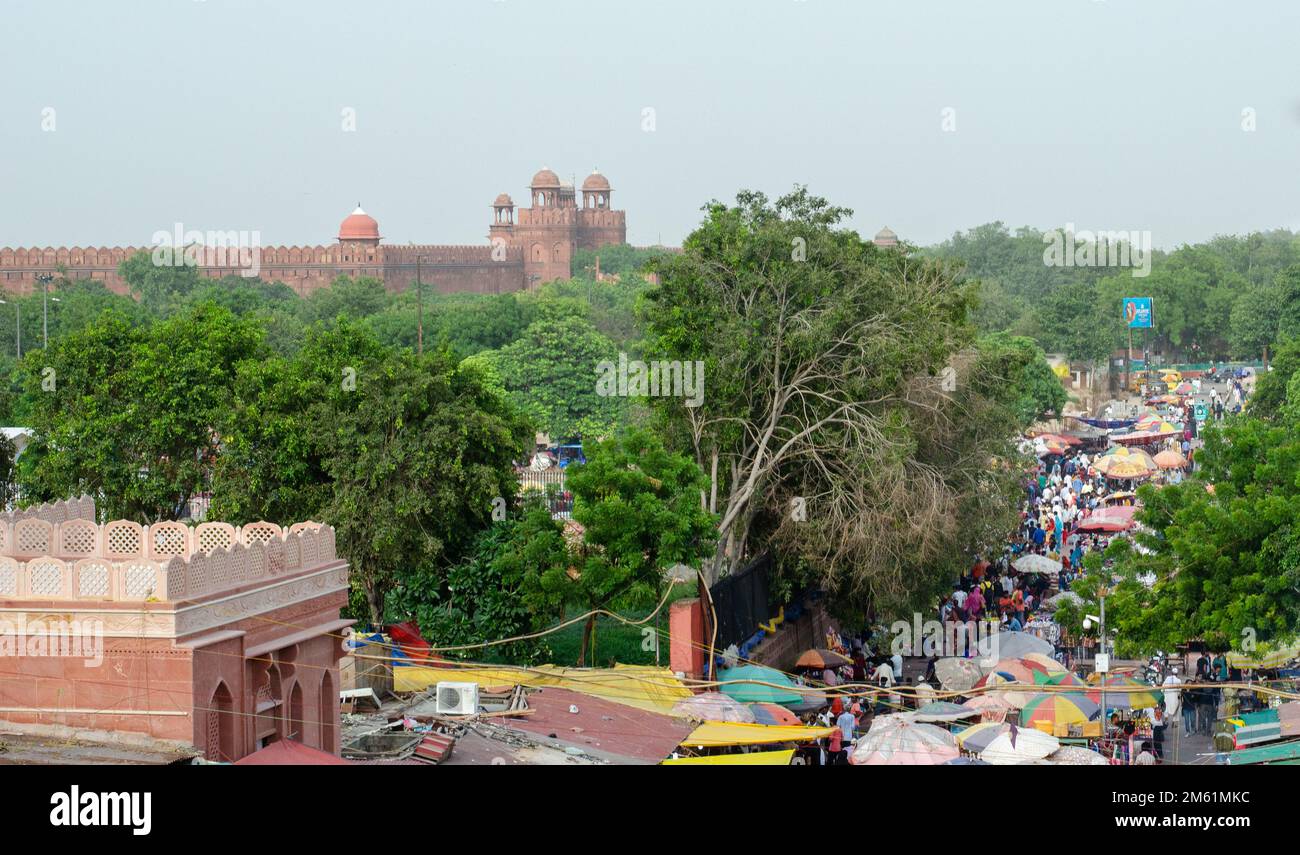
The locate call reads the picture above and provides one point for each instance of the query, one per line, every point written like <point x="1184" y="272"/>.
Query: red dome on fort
<point x="595" y="182"/>
<point x="359" y="226"/>
<point x="545" y="178"/>
<point x="503" y="201"/>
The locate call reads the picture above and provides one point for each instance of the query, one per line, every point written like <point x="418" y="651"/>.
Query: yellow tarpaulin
<point x="642" y="686"/>
<point x="1263" y="658"/>
<point x="754" y="758"/>
<point x="717" y="734"/>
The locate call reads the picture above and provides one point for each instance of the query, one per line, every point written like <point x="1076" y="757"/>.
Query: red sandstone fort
<point x="525" y="247"/>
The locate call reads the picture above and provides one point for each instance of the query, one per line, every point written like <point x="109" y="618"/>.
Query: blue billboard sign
<point x="1138" y="314"/>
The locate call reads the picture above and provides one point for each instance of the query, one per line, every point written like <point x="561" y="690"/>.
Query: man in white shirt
<point x="897" y="662"/>
<point x="1173" y="697"/>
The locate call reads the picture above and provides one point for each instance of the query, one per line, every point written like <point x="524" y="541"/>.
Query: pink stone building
<point x="221" y="637"/>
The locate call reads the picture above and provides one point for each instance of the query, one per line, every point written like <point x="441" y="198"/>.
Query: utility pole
<point x="419" y="303"/>
<point x="44" y="279"/>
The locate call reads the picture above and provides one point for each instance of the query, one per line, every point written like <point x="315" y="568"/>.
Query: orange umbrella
<point x="1170" y="459"/>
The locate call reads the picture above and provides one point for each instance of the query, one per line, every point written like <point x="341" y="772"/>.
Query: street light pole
<point x="44" y="279"/>
<point x="1103" y="650"/>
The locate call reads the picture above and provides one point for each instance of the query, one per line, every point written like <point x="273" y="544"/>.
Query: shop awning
<point x="717" y="734"/>
<point x="754" y="758"/>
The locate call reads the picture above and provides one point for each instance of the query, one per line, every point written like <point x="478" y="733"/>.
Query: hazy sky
<point x="227" y="114"/>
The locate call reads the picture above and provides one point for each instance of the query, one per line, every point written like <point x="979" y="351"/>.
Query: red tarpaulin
<point x="407" y="637"/>
<point x="287" y="752"/>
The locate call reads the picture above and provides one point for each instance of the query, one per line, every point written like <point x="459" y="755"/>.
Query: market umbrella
<point x="1061" y="678"/>
<point x="1114" y="519"/>
<point x="1123" y="692"/>
<point x="897" y="740"/>
<point x="1076" y="755"/>
<point x="1057" y="600"/>
<point x="1019" y="745"/>
<point x="1059" y="708"/>
<point x="978" y="736"/>
<point x="1125" y="463"/>
<point x="1170" y="459"/>
<point x="1034" y="563"/>
<point x="773" y="714"/>
<point x="1016" y="694"/>
<point x="997" y="678"/>
<point x="1020" y="670"/>
<point x="820" y="659"/>
<point x="713" y="706"/>
<point x="943" y="711"/>
<point x="1018" y="645"/>
<point x="1050" y="665"/>
<point x="746" y="684"/>
<point x="988" y="705"/>
<point x="1061" y="438"/>
<point x="957" y="674"/>
<point x="1049" y="447"/>
<point x="965" y="761"/>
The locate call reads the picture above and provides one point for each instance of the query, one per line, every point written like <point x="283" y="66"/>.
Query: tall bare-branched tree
<point x="848" y="415"/>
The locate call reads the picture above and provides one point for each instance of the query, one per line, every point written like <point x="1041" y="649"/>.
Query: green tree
<point x="1223" y="566"/>
<point x="495" y="592"/>
<point x="551" y="373"/>
<point x="639" y="506"/>
<point x="129" y="414"/>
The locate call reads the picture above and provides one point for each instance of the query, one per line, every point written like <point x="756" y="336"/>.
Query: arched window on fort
<point x="219" y="741"/>
<point x="294" y="725"/>
<point x="329" y="704"/>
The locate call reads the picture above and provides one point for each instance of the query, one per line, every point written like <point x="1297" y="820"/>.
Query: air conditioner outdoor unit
<point x="457" y="698"/>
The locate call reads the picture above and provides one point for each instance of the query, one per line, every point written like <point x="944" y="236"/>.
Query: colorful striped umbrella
<point x="1066" y="678"/>
<point x="1059" y="708"/>
<point x="1125" y="463"/>
<point x="1122" y="692"/>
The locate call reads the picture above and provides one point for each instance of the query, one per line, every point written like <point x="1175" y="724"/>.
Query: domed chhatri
<point x="545" y="179"/>
<point x="885" y="237"/>
<point x="595" y="182"/>
<point x="503" y="200"/>
<point x="359" y="225"/>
